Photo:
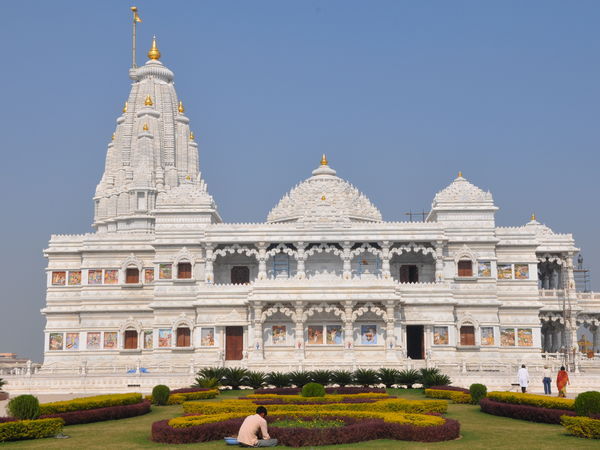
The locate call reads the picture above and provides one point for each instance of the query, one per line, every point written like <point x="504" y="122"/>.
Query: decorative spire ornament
<point x="460" y="174"/>
<point x="324" y="160"/>
<point x="148" y="101"/>
<point x="180" y="108"/>
<point x="112" y="137"/>
<point x="154" y="53"/>
<point x="145" y="128"/>
<point x="136" y="20"/>
<point x="192" y="136"/>
<point x="532" y="217"/>
<point x="125" y="108"/>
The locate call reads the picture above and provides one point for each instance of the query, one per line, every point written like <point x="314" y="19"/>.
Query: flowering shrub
<point x="329" y="390"/>
<point x="29" y="429"/>
<point x="179" y="398"/>
<point x="455" y="396"/>
<point x="102" y="414"/>
<point x="532" y="400"/>
<point x="450" y="388"/>
<point x="189" y="390"/>
<point x="523" y="412"/>
<point x="84" y="403"/>
<point x="584" y="427"/>
<point x="329" y="398"/>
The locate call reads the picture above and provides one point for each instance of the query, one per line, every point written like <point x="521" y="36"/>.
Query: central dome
<point x="324" y="198"/>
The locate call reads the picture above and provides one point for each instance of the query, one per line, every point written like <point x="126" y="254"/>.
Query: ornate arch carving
<point x="184" y="255"/>
<point x="324" y="307"/>
<point x="132" y="261"/>
<point x="184" y="320"/>
<point x="131" y="323"/>
<point x="465" y="253"/>
<point x="467" y="319"/>
<point x="327" y="248"/>
<point x="235" y="248"/>
<point x="412" y="247"/>
<point x="278" y="307"/>
<point x="369" y="306"/>
<point x="547" y="257"/>
<point x="366" y="248"/>
<point x="282" y="248"/>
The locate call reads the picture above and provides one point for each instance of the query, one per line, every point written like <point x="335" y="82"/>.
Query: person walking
<point x="547" y="380"/>
<point x="248" y="434"/>
<point x="523" y="378"/>
<point x="562" y="380"/>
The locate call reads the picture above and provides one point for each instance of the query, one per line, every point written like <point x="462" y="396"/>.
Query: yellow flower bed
<point x="387" y="405"/>
<point x="455" y="396"/>
<point x="420" y="420"/>
<point x="532" y="400"/>
<point x="326" y="398"/>
<point x="584" y="427"/>
<point x="177" y="399"/>
<point x="30" y="429"/>
<point x="85" y="403"/>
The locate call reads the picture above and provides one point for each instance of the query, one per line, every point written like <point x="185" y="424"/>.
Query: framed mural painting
<point x="368" y="334"/>
<point x="507" y="337"/>
<point x="525" y="337"/>
<point x="440" y="335"/>
<point x="487" y="335"/>
<point x="94" y="276"/>
<point x="165" y="271"/>
<point x="505" y="271"/>
<point x="484" y="269"/>
<point x="72" y="341"/>
<point x="279" y="335"/>
<point x="148" y="340"/>
<point x="334" y="334"/>
<point x="93" y="341"/>
<point x="148" y="276"/>
<point x="207" y="337"/>
<point x="58" y="278"/>
<point x="521" y="271"/>
<point x="164" y="337"/>
<point x="315" y="334"/>
<point x="74" y="277"/>
<point x="56" y="341"/>
<point x="111" y="276"/>
<point x="110" y="339"/>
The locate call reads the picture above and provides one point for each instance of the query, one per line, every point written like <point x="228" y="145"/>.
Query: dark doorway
<point x="131" y="339"/>
<point x="240" y="275"/>
<point x="234" y="343"/>
<point x="409" y="273"/>
<point x="415" y="342"/>
<point x="467" y="335"/>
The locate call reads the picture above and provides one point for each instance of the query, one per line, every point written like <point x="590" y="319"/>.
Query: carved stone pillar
<point x="258" y="347"/>
<point x="299" y="331"/>
<point x="348" y="330"/>
<point x="385" y="259"/>
<point x="570" y="275"/>
<point x="596" y="338"/>
<point x="439" y="261"/>
<point x="390" y="328"/>
<point x="428" y="340"/>
<point x="262" y="260"/>
<point x="347" y="260"/>
<point x="300" y="261"/>
<point x="209" y="276"/>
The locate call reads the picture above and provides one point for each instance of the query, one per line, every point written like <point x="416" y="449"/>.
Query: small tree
<point x="235" y="377"/>
<point x="313" y="390"/>
<point x="24" y="407"/>
<point x="388" y="376"/>
<point x="366" y="377"/>
<point x="321" y="376"/>
<point x="279" y="379"/>
<point x="587" y="403"/>
<point x="478" y="392"/>
<point x="256" y="380"/>
<point x="299" y="378"/>
<point x="408" y="377"/>
<point x="212" y="372"/>
<point x="160" y="394"/>
<point x="341" y="377"/>
<point x="210" y="383"/>
<point x="2" y="383"/>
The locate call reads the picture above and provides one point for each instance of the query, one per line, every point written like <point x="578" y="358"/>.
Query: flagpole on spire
<point x="136" y="19"/>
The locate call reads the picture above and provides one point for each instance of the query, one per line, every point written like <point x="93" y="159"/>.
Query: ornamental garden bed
<point x="16" y="430"/>
<point x="531" y="407"/>
<point x="454" y="395"/>
<point x="179" y="396"/>
<point x="328" y="390"/>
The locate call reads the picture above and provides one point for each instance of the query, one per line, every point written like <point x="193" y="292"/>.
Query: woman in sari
<point x="561" y="382"/>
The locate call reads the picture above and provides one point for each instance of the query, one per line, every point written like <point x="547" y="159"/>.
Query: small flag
<point x="136" y="17"/>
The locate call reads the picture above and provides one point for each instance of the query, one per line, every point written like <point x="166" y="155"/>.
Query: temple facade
<point x="323" y="282"/>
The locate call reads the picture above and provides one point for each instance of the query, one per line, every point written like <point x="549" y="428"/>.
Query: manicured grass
<point x="478" y="430"/>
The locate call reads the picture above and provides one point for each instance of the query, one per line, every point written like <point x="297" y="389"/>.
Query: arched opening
<point x="183" y="337"/>
<point x="465" y="268"/>
<point x="467" y="335"/>
<point x="184" y="270"/>
<point x="409" y="273"/>
<point x="240" y="275"/>
<point x="132" y="275"/>
<point x="130" y="340"/>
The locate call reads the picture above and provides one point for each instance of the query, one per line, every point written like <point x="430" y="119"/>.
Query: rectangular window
<point x="507" y="337"/>
<point x="74" y="277"/>
<point x="485" y="269"/>
<point x="467" y="335"/>
<point x="111" y="276"/>
<point x="315" y="334"/>
<point x="279" y="335"/>
<point x="281" y="265"/>
<point x="56" y="341"/>
<point x="184" y="270"/>
<point x="465" y="268"/>
<point x="334" y="334"/>
<point x="148" y="276"/>
<point x="521" y="271"/>
<point x="183" y="337"/>
<point x="94" y="276"/>
<point x="132" y="275"/>
<point x="440" y="336"/>
<point x="141" y="201"/>
<point x="207" y="337"/>
<point x="131" y="340"/>
<point x="525" y="337"/>
<point x="487" y="336"/>
<point x="505" y="272"/>
<point x="93" y="341"/>
<point x="165" y="271"/>
<point x="368" y="334"/>
<point x="59" y="278"/>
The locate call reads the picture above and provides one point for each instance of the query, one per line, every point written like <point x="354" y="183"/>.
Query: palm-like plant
<point x="388" y="376"/>
<point x="300" y="378"/>
<point x="433" y="377"/>
<point x="278" y="379"/>
<point x="366" y="377"/>
<point x="2" y="383"/>
<point x="408" y="377"/>
<point x="323" y="377"/>
<point x="235" y="377"/>
<point x="212" y="372"/>
<point x="210" y="383"/>
<point x="256" y="380"/>
<point x="341" y="377"/>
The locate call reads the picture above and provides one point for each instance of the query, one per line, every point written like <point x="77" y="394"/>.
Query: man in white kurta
<point x="523" y="378"/>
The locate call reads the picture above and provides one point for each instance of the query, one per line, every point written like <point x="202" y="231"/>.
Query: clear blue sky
<point x="400" y="95"/>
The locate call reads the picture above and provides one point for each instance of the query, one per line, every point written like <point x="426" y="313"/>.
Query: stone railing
<point x="588" y="296"/>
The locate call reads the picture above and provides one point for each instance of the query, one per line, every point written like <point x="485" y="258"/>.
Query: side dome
<point x="324" y="198"/>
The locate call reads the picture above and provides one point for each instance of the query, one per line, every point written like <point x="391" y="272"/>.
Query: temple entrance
<point x="234" y="343"/>
<point x="415" y="348"/>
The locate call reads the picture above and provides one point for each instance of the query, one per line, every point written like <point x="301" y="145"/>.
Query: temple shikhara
<point x="164" y="285"/>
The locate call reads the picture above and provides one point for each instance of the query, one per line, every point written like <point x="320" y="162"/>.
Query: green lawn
<point x="478" y="430"/>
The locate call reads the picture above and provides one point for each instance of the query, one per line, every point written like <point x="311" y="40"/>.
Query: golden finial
<point x="323" y="198"/>
<point x="180" y="108"/>
<point x="148" y="101"/>
<point x="145" y="128"/>
<point x="113" y="137"/>
<point x="324" y="160"/>
<point x="460" y="174"/>
<point x="154" y="53"/>
<point x="192" y="136"/>
<point x="532" y="216"/>
<point x="125" y="108"/>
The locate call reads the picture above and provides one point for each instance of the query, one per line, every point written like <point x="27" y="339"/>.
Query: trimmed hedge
<point x="24" y="407"/>
<point x="189" y="390"/>
<point x="85" y="403"/>
<point x="587" y="403"/>
<point x="584" y="427"/>
<point x="329" y="398"/>
<point x="102" y="414"/>
<point x="178" y="399"/>
<point x="160" y="394"/>
<point x="478" y="391"/>
<point x="532" y="400"/>
<point x="455" y="396"/>
<point x="450" y="388"/>
<point x="313" y="390"/>
<point x="524" y="412"/>
<point x="368" y="428"/>
<point x="30" y="429"/>
<point x="328" y="390"/>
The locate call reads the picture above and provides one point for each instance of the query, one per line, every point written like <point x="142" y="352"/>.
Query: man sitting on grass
<point x="248" y="434"/>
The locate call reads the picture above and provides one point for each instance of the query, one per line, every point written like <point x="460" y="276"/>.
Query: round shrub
<point x="313" y="390"/>
<point x="587" y="403"/>
<point x="160" y="394"/>
<point x="24" y="407"/>
<point x="477" y="391"/>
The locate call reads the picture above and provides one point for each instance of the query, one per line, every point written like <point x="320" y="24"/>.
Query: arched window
<point x="465" y="268"/>
<point x="240" y="275"/>
<point x="184" y="270"/>
<point x="130" y="339"/>
<point x="183" y="337"/>
<point x="132" y="275"/>
<point x="467" y="335"/>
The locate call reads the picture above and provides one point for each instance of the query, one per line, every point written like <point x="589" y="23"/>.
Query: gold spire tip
<point x="145" y="127"/>
<point x="154" y="53"/>
<point x="125" y="108"/>
<point x="460" y="174"/>
<point x="192" y="136"/>
<point x="148" y="101"/>
<point x="533" y="216"/>
<point x="133" y="8"/>
<point x="324" y="160"/>
<point x="180" y="108"/>
<point x="112" y="137"/>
